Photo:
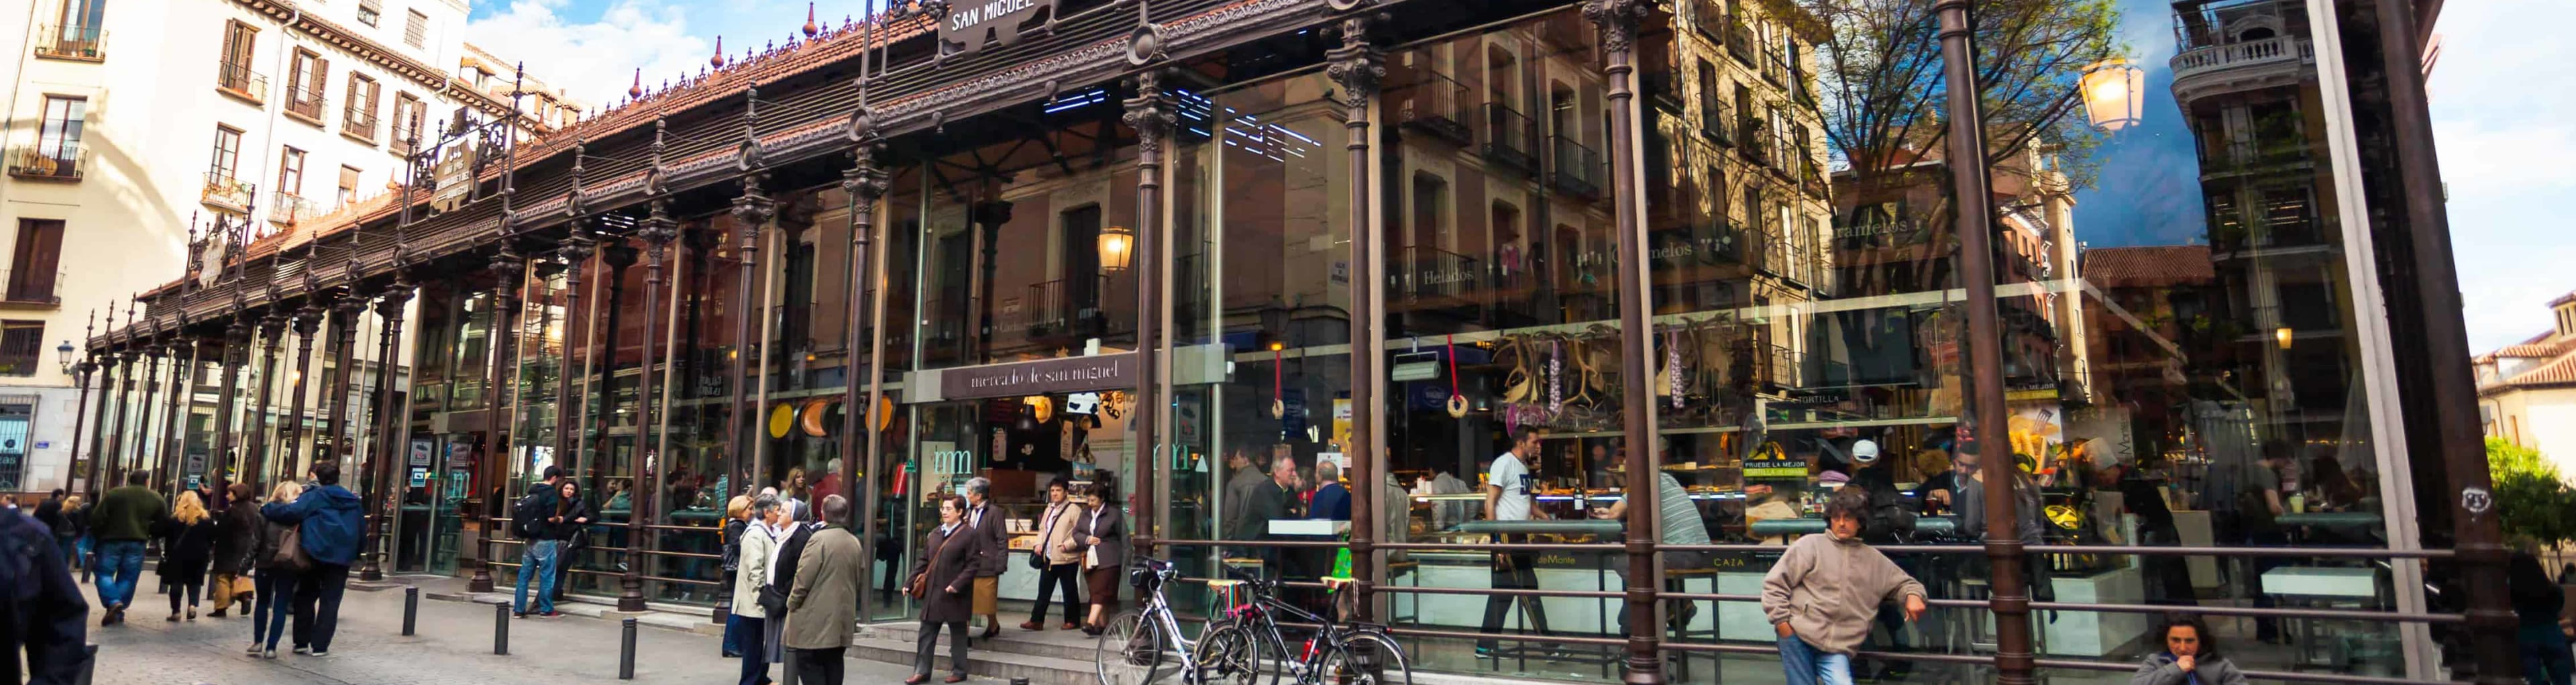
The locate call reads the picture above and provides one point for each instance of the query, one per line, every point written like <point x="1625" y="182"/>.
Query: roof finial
<point x="718" y="60"/>
<point x="637" y="90"/>
<point x="810" y="28"/>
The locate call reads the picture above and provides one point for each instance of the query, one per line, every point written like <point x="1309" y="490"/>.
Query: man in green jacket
<point x="122" y="521"/>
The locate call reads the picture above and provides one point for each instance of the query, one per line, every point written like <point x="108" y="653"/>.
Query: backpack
<point x="524" y="516"/>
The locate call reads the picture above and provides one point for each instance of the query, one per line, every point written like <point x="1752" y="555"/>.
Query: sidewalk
<point x="453" y="647"/>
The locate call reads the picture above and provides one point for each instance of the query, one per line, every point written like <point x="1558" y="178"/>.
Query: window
<point x="1712" y="111"/>
<point x="22" y="344"/>
<point x="290" y="172"/>
<point x="407" y="115"/>
<point x="227" y="153"/>
<point x="304" y="85"/>
<point x="59" y="141"/>
<point x="79" y="33"/>
<point x="416" y="29"/>
<point x="234" y="72"/>
<point x="358" y="114"/>
<point x="368" y="10"/>
<point x="33" y="266"/>
<point x="348" y="185"/>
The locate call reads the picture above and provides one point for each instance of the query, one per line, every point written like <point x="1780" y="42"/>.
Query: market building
<point x="1136" y="245"/>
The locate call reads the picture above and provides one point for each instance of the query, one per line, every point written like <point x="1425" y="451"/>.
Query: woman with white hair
<point x="759" y="551"/>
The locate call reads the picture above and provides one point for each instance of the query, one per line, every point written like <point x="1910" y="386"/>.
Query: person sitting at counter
<point x="1332" y="500"/>
<point x="1823" y="594"/>
<point x="1938" y="489"/>
<point x="1682" y="525"/>
<point x="2190" y="658"/>
<point x="1507" y="498"/>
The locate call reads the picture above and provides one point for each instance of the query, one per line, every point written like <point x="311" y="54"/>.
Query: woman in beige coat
<point x="759" y="545"/>
<point x="1058" y="557"/>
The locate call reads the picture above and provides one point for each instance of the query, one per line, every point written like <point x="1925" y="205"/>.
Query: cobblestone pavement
<point x="453" y="647"/>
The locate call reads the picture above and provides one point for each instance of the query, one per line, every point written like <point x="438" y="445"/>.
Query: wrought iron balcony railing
<point x="358" y="123"/>
<point x="33" y="286"/>
<point x="54" y="160"/>
<point x="238" y="80"/>
<point x="71" y="42"/>
<point x="1435" y="104"/>
<point x="286" y="208"/>
<point x="1510" y="138"/>
<point x="1423" y="273"/>
<point x="1576" y="170"/>
<point x="306" y="103"/>
<point x="222" y="190"/>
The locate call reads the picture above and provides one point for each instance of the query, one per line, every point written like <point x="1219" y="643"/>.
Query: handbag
<point x="919" y="588"/>
<point x="290" y="550"/>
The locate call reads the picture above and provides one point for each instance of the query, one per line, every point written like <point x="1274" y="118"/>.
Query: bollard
<point x="501" y="629"/>
<point x="411" y="609"/>
<point x="626" y="650"/>
<point x="787" y="668"/>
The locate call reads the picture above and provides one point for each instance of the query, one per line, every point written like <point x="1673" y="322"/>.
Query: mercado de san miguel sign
<point x="975" y="21"/>
<point x="1047" y="376"/>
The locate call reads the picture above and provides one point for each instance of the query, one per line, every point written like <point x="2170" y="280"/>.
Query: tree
<point x="1879" y="69"/>
<point x="2533" y="501"/>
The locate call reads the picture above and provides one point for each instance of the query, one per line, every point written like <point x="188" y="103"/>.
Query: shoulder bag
<point x="290" y="550"/>
<point x="920" y="586"/>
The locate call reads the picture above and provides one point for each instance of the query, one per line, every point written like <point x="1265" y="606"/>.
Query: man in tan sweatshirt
<point x="1823" y="594"/>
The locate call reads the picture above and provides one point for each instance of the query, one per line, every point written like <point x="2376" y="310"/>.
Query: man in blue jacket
<point x="42" y="614"/>
<point x="327" y="520"/>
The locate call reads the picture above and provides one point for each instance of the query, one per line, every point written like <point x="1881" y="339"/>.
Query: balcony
<point x="72" y="42"/>
<point x="285" y="209"/>
<point x="1739" y="42"/>
<point x="1068" y="308"/>
<point x="1712" y="123"/>
<point x="1436" y="105"/>
<point x="1756" y="139"/>
<point x="1662" y="90"/>
<point x="222" y="191"/>
<point x="33" y="287"/>
<point x="1510" y="138"/>
<point x="1577" y="169"/>
<point x="305" y="105"/>
<point x="237" y="80"/>
<point x="358" y="124"/>
<point x="1425" y="276"/>
<point x="2233" y="67"/>
<point x="54" y="161"/>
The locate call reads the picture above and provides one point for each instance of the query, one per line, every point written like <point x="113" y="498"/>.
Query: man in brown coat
<point x="987" y="525"/>
<point x="823" y="605"/>
<point x="1062" y="563"/>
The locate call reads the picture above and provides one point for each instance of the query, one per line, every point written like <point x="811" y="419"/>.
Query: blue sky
<point x="2500" y="95"/>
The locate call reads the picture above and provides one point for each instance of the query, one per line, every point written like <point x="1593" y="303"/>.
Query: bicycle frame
<point x="1306" y="667"/>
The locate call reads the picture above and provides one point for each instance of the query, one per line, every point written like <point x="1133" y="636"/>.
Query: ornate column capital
<point x="1358" y="66"/>
<point x="1619" y="21"/>
<point x="1150" y="112"/>
<point x="753" y="208"/>
<point x="659" y="229"/>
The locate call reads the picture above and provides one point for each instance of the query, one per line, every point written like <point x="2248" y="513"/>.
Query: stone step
<point x="983" y="663"/>
<point x="1070" y="645"/>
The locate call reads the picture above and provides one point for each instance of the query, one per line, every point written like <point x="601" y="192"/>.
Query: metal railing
<point x="285" y="208"/>
<point x="357" y="122"/>
<point x="1421" y="272"/>
<point x="225" y="191"/>
<point x="1059" y="308"/>
<point x="2232" y="55"/>
<point x="1662" y="89"/>
<point x="1510" y="138"/>
<point x="238" y="80"/>
<point x="1739" y="41"/>
<point x="71" y="41"/>
<point x="32" y="286"/>
<point x="1575" y="169"/>
<point x="306" y="102"/>
<point x="56" y="160"/>
<point x="1434" y="104"/>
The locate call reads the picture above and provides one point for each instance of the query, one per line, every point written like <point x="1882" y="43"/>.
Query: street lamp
<point x="64" y="353"/>
<point x="1117" y="247"/>
<point x="2110" y="88"/>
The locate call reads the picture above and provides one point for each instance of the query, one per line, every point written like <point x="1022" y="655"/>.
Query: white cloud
<point x="2496" y="121"/>
<point x="593" y="60"/>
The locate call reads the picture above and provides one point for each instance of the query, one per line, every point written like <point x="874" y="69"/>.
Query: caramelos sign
<point x="976" y="21"/>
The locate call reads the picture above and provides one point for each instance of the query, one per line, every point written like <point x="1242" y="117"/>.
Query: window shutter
<point x="321" y="77"/>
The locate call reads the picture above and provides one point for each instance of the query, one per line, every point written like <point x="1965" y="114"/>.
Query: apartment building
<point x="143" y="138"/>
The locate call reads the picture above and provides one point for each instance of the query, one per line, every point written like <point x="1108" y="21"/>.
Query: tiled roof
<point x="2559" y="367"/>
<point x="2160" y="265"/>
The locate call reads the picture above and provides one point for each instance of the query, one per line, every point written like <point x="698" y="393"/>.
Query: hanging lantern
<point x="1117" y="247"/>
<point x="2111" y="90"/>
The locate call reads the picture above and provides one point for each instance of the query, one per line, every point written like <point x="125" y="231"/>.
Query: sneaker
<point x="301" y="649"/>
<point x="551" y="614"/>
<point x="518" y="614"/>
<point x="318" y="653"/>
<point x="253" y="651"/>
<point x="269" y="653"/>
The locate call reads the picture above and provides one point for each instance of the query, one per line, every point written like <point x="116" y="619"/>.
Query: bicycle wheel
<point x="1367" y="659"/>
<point x="1228" y="654"/>
<point x="1130" y="651"/>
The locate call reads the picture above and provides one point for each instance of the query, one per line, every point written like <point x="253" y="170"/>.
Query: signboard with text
<point x="972" y="23"/>
<point x="1046" y="376"/>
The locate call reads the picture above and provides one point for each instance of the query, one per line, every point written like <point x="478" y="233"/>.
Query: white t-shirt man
<point x="1508" y="474"/>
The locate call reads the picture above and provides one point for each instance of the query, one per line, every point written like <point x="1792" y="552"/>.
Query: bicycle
<point x="1238" y="643"/>
<point x="1135" y="645"/>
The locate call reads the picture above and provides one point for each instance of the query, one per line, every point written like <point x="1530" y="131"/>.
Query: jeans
<point x="120" y="565"/>
<point x="317" y="604"/>
<point x="1067" y="576"/>
<point x="539" y="558"/>
<point x="754" y="634"/>
<point x="191" y="592"/>
<point x="2545" y="656"/>
<point x="270" y="605"/>
<point x="1520" y="576"/>
<point x="1806" y="665"/>
<point x="929" y="645"/>
<point x="817" y="666"/>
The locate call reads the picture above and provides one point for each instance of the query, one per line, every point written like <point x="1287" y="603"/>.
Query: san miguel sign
<point x="1046" y="376"/>
<point x="974" y="22"/>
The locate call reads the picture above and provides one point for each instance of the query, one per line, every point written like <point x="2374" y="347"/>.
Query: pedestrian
<point x="2537" y="603"/>
<point x="570" y="506"/>
<point x="76" y="516"/>
<point x="943" y="580"/>
<point x="122" y="520"/>
<point x="539" y="520"/>
<point x="1822" y="596"/>
<point x="41" y="612"/>
<point x="236" y="540"/>
<point x="1104" y="550"/>
<point x="273" y="588"/>
<point x="759" y="547"/>
<point x="2191" y="657"/>
<point x="187" y="547"/>
<point x="1058" y="564"/>
<point x="327" y="520"/>
<point x="50" y="513"/>
<point x="994" y="553"/>
<point x="823" y="604"/>
<point x="737" y="510"/>
<point x="793" y="534"/>
<point x="1507" y="498"/>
